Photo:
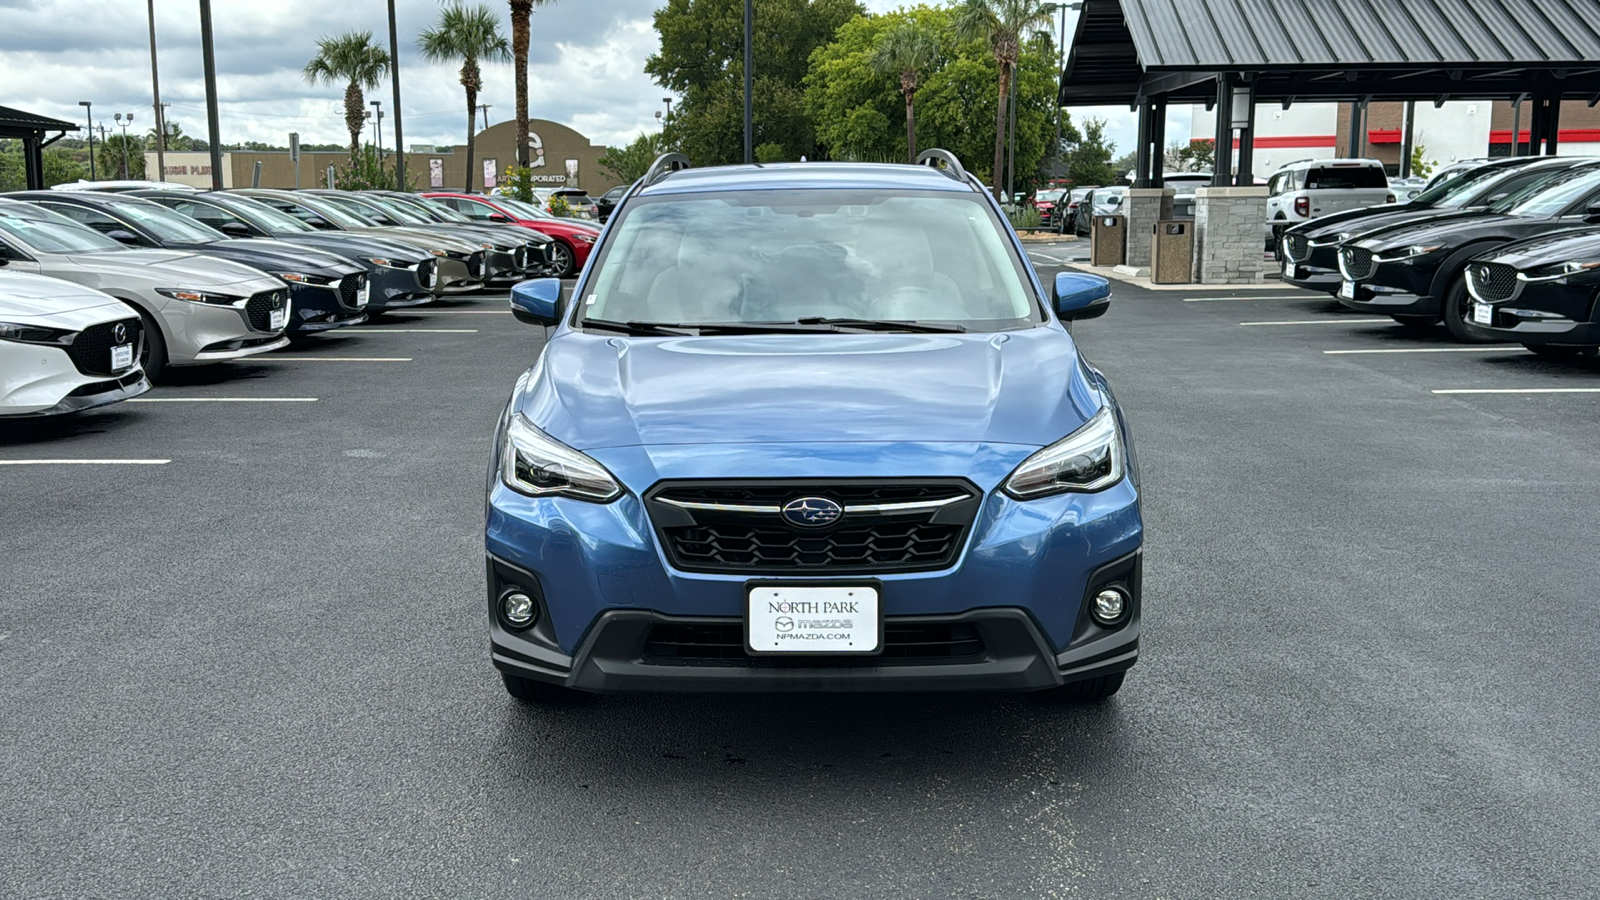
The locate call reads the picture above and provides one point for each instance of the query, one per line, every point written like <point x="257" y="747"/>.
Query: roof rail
<point x="665" y="164"/>
<point x="951" y="166"/>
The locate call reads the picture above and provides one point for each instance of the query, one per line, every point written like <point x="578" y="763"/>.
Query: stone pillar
<point x="1144" y="207"/>
<point x="1230" y="235"/>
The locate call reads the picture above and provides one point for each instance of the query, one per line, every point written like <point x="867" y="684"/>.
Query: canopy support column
<point x="1222" y="165"/>
<point x="1141" y="157"/>
<point x="1247" y="135"/>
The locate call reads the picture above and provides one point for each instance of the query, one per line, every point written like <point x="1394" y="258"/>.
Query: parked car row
<point x="103" y="290"/>
<point x="1505" y="251"/>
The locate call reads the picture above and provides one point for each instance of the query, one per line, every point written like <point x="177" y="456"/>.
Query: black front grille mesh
<point x="1357" y="261"/>
<point x="349" y="287"/>
<point x="260" y="306"/>
<point x="1298" y="246"/>
<point x="723" y="642"/>
<point x="891" y="545"/>
<point x="1493" y="282"/>
<point x="91" y="349"/>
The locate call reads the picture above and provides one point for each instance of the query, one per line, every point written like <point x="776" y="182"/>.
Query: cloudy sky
<point x="586" y="67"/>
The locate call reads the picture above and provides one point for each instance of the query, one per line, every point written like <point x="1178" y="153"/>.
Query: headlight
<point x="438" y="252"/>
<point x="34" y="334"/>
<point x="538" y="465"/>
<point x="1087" y="460"/>
<point x="292" y="276"/>
<point x="486" y="246"/>
<point x="298" y="278"/>
<point x="198" y="296"/>
<point x="379" y="261"/>
<point x="586" y="238"/>
<point x="1559" y="271"/>
<point x="1411" y="252"/>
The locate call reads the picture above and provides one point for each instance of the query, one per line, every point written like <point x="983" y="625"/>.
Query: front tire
<point x="153" y="355"/>
<point x="1092" y="690"/>
<point x="564" y="259"/>
<point x="528" y="691"/>
<point x="1454" y="311"/>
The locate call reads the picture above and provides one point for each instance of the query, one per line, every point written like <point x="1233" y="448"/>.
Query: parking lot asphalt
<point x="253" y="664"/>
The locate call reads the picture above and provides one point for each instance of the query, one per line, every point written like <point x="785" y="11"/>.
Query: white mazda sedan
<point x="65" y="348"/>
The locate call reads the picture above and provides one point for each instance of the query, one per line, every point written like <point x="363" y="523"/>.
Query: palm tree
<point x="521" y="10"/>
<point x="352" y="58"/>
<point x="907" y="50"/>
<point x="1002" y="23"/>
<point x="466" y="33"/>
<point x="176" y="139"/>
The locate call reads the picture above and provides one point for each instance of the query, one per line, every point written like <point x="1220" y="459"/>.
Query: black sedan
<point x="605" y="203"/>
<point x="1543" y="293"/>
<point x="325" y="291"/>
<point x="398" y="275"/>
<point x="1416" y="272"/>
<point x="506" y="260"/>
<point x="1310" y="251"/>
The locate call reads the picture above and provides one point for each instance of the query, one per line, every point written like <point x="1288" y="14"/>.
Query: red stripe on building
<point x="1568" y="135"/>
<point x="1267" y="142"/>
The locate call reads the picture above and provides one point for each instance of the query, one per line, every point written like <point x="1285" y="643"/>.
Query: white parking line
<point x="1497" y="348"/>
<point x="382" y="330"/>
<point x="1307" y="296"/>
<point x="1593" y="390"/>
<point x="84" y="462"/>
<point x="362" y="359"/>
<point x="1323" y="322"/>
<point x="455" y="312"/>
<point x="1045" y="256"/>
<point x="222" y="400"/>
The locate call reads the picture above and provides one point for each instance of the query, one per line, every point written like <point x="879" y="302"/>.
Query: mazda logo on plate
<point x="812" y="512"/>
<point x="120" y="333"/>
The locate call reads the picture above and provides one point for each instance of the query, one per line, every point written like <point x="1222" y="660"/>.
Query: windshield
<point x="336" y="208"/>
<point x="47" y="232"/>
<point x="262" y="216"/>
<point x="1457" y="187"/>
<point x="1552" y="196"/>
<point x="166" y="225"/>
<point x="427" y="209"/>
<point x="787" y="256"/>
<point x="523" y="210"/>
<point x="394" y="210"/>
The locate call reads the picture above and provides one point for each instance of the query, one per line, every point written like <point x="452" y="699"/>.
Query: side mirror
<point x="237" y="229"/>
<point x="1592" y="216"/>
<point x="499" y="217"/>
<point x="126" y="237"/>
<point x="318" y="222"/>
<point x="1081" y="296"/>
<point x="537" y="302"/>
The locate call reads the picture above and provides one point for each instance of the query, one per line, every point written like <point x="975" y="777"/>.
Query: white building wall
<point x="1456" y="131"/>
<point x="1303" y="131"/>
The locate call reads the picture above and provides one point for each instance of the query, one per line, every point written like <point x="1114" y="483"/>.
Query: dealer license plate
<point x="837" y="620"/>
<point x="278" y="319"/>
<point x="121" y="357"/>
<point x="1482" y="314"/>
<point x="362" y="295"/>
<point x="1290" y="270"/>
<point x="1347" y="290"/>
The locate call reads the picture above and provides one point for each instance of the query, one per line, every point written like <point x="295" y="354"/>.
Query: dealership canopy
<point x="1149" y="53"/>
<point x="31" y="128"/>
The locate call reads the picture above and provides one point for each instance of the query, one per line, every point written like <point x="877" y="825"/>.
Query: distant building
<point x="558" y="155"/>
<point x="1458" y="130"/>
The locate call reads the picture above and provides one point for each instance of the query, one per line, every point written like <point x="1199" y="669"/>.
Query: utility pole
<point x="394" y="72"/>
<point x="485" y="107"/>
<point x="155" y="90"/>
<point x="1011" y="149"/>
<point x="1061" y="63"/>
<point x="749" y="80"/>
<point x="208" y="59"/>
<point x="90" y="107"/>
<point x="377" y="128"/>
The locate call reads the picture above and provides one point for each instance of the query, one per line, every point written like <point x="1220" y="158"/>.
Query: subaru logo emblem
<point x="120" y="333"/>
<point x="812" y="512"/>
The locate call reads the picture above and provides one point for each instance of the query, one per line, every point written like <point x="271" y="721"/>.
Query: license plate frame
<point x="1347" y="290"/>
<point x="763" y="625"/>
<point x="121" y="357"/>
<point x="277" y="319"/>
<point x="1482" y="314"/>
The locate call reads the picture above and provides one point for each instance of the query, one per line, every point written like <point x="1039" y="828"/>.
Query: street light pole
<point x="394" y="72"/>
<point x="208" y="59"/>
<point x="90" y="107"/>
<point x="155" y="90"/>
<point x="124" y="122"/>
<point x="377" y="129"/>
<point x="749" y="82"/>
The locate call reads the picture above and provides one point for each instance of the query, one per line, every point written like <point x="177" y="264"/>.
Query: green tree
<point x="1192" y="156"/>
<point x="1004" y="25"/>
<point x="108" y="156"/>
<point x="956" y="106"/>
<point x="702" y="60"/>
<point x="521" y="14"/>
<point x="61" y="167"/>
<point x="176" y="139"/>
<point x="628" y="164"/>
<point x="354" y="59"/>
<point x="468" y="34"/>
<point x="366" y="172"/>
<point x="907" y="51"/>
<point x="1089" y="161"/>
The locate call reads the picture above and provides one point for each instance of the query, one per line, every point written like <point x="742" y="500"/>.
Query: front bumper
<point x="394" y="288"/>
<point x="1022" y="580"/>
<point x="1393" y="289"/>
<point x="454" y="277"/>
<point x="1553" y="313"/>
<point x="1319" y="271"/>
<point x="42" y="381"/>
<point x="315" y="308"/>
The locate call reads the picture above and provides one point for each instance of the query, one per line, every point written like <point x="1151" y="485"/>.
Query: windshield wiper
<point x="881" y="325"/>
<point x="659" y="328"/>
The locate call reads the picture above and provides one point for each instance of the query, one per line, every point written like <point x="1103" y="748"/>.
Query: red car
<point x="573" y="238"/>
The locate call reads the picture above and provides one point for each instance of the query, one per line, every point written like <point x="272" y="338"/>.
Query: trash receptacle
<point x="1107" y="240"/>
<point x="1172" y="253"/>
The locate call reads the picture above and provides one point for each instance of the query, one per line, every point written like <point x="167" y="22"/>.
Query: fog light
<point x="518" y="609"/>
<point x="1109" y="606"/>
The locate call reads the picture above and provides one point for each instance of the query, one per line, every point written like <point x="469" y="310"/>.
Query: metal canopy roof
<point x="17" y="123"/>
<point x="1334" y="49"/>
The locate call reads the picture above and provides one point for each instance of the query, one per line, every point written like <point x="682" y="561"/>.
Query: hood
<point x="1356" y="221"/>
<point x="1581" y="244"/>
<point x="440" y="238"/>
<point x="347" y="244"/>
<point x="595" y="391"/>
<point x="1447" y="230"/>
<point x="278" y="257"/>
<point x="38" y="297"/>
<point x="179" y="268"/>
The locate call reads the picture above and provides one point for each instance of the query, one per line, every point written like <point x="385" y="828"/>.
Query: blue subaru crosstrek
<point x="812" y="427"/>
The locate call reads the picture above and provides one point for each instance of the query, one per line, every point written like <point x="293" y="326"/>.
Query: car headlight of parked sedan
<point x="209" y="299"/>
<point x="1087" y="460"/>
<point x="538" y="465"/>
<point x="584" y="238"/>
<point x="1410" y="254"/>
<point x="1561" y="271"/>
<point x="33" y="334"/>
